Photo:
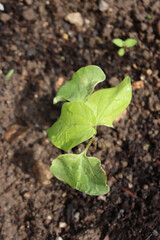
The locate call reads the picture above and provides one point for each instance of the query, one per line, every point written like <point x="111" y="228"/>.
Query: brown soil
<point x="44" y="50"/>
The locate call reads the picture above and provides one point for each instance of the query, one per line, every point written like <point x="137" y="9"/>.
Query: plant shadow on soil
<point x="32" y="109"/>
<point x="35" y="111"/>
<point x="23" y="158"/>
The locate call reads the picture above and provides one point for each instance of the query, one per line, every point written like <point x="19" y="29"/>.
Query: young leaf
<point x="121" y="52"/>
<point x="75" y="125"/>
<point x="9" y="74"/>
<point x="81" y="85"/>
<point x="109" y="103"/>
<point x="130" y="42"/>
<point x="81" y="172"/>
<point x="148" y="16"/>
<point x="119" y="42"/>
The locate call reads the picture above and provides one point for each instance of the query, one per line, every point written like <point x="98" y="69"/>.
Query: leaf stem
<point x="88" y="145"/>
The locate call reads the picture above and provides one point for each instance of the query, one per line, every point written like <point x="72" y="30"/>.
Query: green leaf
<point x="148" y="16"/>
<point x="81" y="85"/>
<point x="109" y="103"/>
<point x="121" y="52"/>
<point x="119" y="42"/>
<point x="9" y="74"/>
<point x="130" y="42"/>
<point x="81" y="172"/>
<point x="75" y="125"/>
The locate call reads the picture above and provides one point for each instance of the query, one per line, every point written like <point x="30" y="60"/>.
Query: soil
<point x="44" y="50"/>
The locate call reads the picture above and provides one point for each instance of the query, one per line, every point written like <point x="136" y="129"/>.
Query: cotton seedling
<point x="128" y="43"/>
<point x="80" y="116"/>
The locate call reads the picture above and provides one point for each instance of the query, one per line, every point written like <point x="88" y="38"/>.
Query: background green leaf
<point x="148" y="16"/>
<point x="121" y="52"/>
<point x="81" y="85"/>
<point x="109" y="103"/>
<point x="119" y="42"/>
<point x="9" y="74"/>
<point x="75" y="125"/>
<point x="81" y="172"/>
<point x="130" y="42"/>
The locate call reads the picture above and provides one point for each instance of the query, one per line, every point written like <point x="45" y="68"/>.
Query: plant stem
<point x="89" y="144"/>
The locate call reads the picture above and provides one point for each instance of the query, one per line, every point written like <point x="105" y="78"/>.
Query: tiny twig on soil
<point x="130" y="193"/>
<point x="149" y="237"/>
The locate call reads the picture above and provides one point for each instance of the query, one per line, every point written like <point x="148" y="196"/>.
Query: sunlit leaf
<point x="109" y="103"/>
<point x="118" y="42"/>
<point x="130" y="42"/>
<point x="75" y="125"/>
<point x="81" y="172"/>
<point x="81" y="85"/>
<point x="121" y="52"/>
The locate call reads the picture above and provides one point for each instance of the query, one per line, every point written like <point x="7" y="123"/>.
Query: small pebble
<point x="59" y="83"/>
<point x="65" y="36"/>
<point x="1" y="7"/>
<point x="4" y="17"/>
<point x="102" y="197"/>
<point x="31" y="52"/>
<point x="143" y="26"/>
<point x="142" y="77"/>
<point x="59" y="238"/>
<point x="129" y="177"/>
<point x="146" y="54"/>
<point x="155" y="233"/>
<point x="111" y="181"/>
<point x="128" y="23"/>
<point x="113" y="81"/>
<point x="108" y="145"/>
<point x="106" y="237"/>
<point x="135" y="66"/>
<point x="62" y="225"/>
<point x="49" y="217"/>
<point x="128" y="68"/>
<point x="75" y="19"/>
<point x="77" y="216"/>
<point x="149" y="72"/>
<point x="29" y="2"/>
<point x="87" y="21"/>
<point x="145" y="187"/>
<point x="124" y="164"/>
<point x="45" y="24"/>
<point x="118" y="201"/>
<point x="130" y="185"/>
<point x="29" y="14"/>
<point x="22" y="227"/>
<point x="42" y="10"/>
<point x="120" y="175"/>
<point x="103" y="5"/>
<point x="137" y="85"/>
<point x="26" y="195"/>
